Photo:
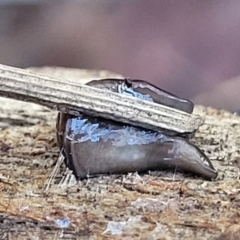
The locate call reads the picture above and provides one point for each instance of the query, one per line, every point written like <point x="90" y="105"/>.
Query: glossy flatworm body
<point x="93" y="146"/>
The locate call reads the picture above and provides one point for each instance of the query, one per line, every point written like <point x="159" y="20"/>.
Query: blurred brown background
<point x="190" y="48"/>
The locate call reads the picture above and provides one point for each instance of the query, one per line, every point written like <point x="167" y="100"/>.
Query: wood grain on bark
<point x="68" y="97"/>
<point x="158" y="205"/>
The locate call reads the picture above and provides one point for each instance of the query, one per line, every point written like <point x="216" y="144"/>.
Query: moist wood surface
<point x="158" y="205"/>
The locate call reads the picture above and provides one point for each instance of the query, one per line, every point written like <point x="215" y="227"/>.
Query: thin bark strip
<point x="22" y="85"/>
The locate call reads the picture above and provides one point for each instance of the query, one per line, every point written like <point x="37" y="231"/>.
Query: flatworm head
<point x="144" y="90"/>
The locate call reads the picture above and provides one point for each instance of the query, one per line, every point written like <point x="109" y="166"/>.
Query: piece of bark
<point x="146" y="206"/>
<point x="19" y="84"/>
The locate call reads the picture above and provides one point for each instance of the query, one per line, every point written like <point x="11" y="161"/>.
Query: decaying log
<point x="158" y="205"/>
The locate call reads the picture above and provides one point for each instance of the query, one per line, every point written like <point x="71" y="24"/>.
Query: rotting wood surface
<point x="159" y="205"/>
